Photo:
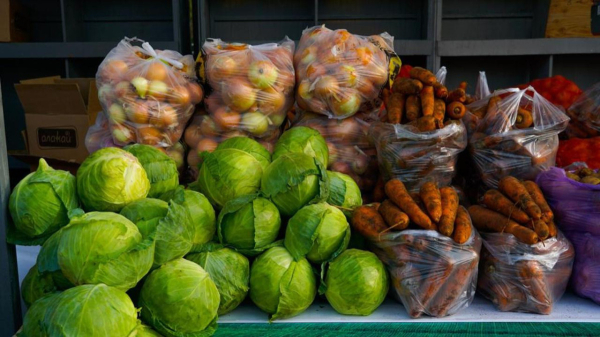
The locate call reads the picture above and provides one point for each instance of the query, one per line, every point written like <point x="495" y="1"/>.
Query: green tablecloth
<point x="424" y="329"/>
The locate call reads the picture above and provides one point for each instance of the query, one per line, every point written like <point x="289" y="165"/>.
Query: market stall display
<point x="147" y="95"/>
<point x="572" y="194"/>
<point x="340" y="73"/>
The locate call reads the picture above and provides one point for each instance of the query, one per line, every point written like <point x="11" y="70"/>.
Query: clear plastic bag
<point x="416" y="157"/>
<point x="481" y="89"/>
<point x="585" y="114"/>
<point x="576" y="209"/>
<point x="350" y="151"/>
<point x="99" y="136"/>
<point x="527" y="278"/>
<point x="252" y="87"/>
<point x="147" y="95"/>
<point x="201" y="135"/>
<point x="339" y="73"/>
<point x="431" y="274"/>
<point x="499" y="148"/>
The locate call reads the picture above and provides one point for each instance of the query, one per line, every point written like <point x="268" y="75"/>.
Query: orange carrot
<point x="490" y="221"/>
<point x="496" y="201"/>
<point x="406" y="86"/>
<point x="393" y="216"/>
<point x="439" y="109"/>
<point x="436" y="275"/>
<point x="538" y="197"/>
<point x="456" y="110"/>
<point x="423" y="75"/>
<point x="541" y="229"/>
<point x="439" y="90"/>
<point x="430" y="194"/>
<point x="426" y="123"/>
<point x="368" y="222"/>
<point x="451" y="290"/>
<point x="396" y="191"/>
<point x="427" y="100"/>
<point x="513" y="188"/>
<point x="493" y="103"/>
<point x="463" y="85"/>
<point x="462" y="226"/>
<point x="457" y="95"/>
<point x="379" y="190"/>
<point x="531" y="275"/>
<point x="413" y="107"/>
<point x="552" y="230"/>
<point x="524" y="119"/>
<point x="449" y="209"/>
<point x="395" y="108"/>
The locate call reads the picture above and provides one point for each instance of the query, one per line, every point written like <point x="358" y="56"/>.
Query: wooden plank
<point x="10" y="303"/>
<point x="519" y="47"/>
<point x="570" y="18"/>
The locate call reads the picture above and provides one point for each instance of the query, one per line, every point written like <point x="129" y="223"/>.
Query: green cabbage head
<point x="302" y="139"/>
<point x="229" y="270"/>
<point x="249" y="224"/>
<point x="36" y="286"/>
<point x="294" y="180"/>
<point x="227" y="174"/>
<point x="90" y="310"/>
<point x="111" y="178"/>
<point x="146" y="331"/>
<point x="40" y="203"/>
<point x="103" y="247"/>
<point x="344" y="192"/>
<point x="250" y="146"/>
<point x="281" y="286"/>
<point x="319" y="232"/>
<point x="356" y="283"/>
<point x="180" y="299"/>
<point x="32" y="322"/>
<point x="160" y="168"/>
<point x="47" y="262"/>
<point x="202" y="215"/>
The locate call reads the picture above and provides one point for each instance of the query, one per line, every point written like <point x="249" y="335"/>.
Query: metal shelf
<point x="38" y="50"/>
<point x="517" y="47"/>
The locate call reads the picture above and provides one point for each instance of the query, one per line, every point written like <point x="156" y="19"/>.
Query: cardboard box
<point x="57" y="115"/>
<point x="14" y="22"/>
<point x="573" y="18"/>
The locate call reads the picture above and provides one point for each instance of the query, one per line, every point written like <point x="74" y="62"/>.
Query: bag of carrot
<point x="428" y="244"/>
<point x="517" y="276"/>
<point x="517" y="135"/>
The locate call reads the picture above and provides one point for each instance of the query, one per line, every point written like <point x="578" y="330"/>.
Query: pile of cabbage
<point x="128" y="251"/>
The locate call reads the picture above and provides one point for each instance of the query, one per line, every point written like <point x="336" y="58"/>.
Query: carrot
<point x="513" y="188"/>
<point x="379" y="190"/>
<point x="395" y="108"/>
<point x="439" y="90"/>
<point x="462" y="226"/>
<point x="426" y="123"/>
<point x="531" y="275"/>
<point x="430" y="194"/>
<point x="407" y="86"/>
<point x="496" y="201"/>
<point x="524" y="119"/>
<point x="457" y="95"/>
<point x="385" y="95"/>
<point x="423" y="75"/>
<point x="427" y="100"/>
<point x="469" y="100"/>
<point x="541" y="229"/>
<point x="393" y="216"/>
<point x="488" y="220"/>
<point x="493" y="103"/>
<point x="446" y="297"/>
<point x="456" y="110"/>
<point x="368" y="222"/>
<point x="552" y="230"/>
<point x="463" y="85"/>
<point x="396" y="191"/>
<point x="439" y="109"/>
<point x="417" y="199"/>
<point x="449" y="209"/>
<point x="538" y="197"/>
<point x="435" y="276"/>
<point x="413" y="107"/>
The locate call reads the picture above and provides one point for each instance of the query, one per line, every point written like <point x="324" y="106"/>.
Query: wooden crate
<point x="573" y="18"/>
